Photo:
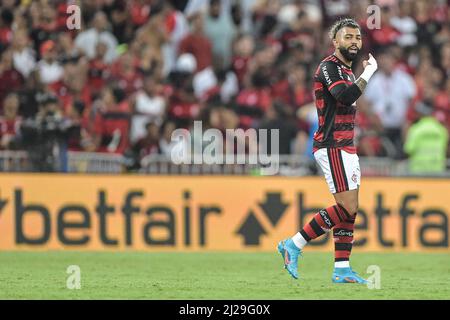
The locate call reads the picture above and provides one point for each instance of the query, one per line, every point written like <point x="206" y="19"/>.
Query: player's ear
<point x="335" y="43"/>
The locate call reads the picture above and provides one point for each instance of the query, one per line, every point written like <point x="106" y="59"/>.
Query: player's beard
<point x="349" y="56"/>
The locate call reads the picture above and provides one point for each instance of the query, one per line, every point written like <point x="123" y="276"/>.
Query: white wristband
<point x="370" y="69"/>
<point x="368" y="73"/>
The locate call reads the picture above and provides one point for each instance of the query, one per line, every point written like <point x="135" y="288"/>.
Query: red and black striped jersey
<point x="336" y="119"/>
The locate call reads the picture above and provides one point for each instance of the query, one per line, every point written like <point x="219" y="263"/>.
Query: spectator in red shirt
<point x="139" y="11"/>
<point x="243" y="51"/>
<point x="197" y="43"/>
<point x="125" y="74"/>
<point x="10" y="78"/>
<point x="61" y="15"/>
<point x="148" y="144"/>
<point x="293" y="90"/>
<point x="73" y="87"/>
<point x="184" y="107"/>
<point x="253" y="102"/>
<point x="112" y="124"/>
<point x="9" y="122"/>
<point x="299" y="31"/>
<point x="98" y="70"/>
<point x="263" y="61"/>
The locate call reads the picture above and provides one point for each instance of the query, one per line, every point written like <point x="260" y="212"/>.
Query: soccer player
<point x="336" y="92"/>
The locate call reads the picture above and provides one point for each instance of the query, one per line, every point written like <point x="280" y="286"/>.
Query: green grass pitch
<point x="140" y="275"/>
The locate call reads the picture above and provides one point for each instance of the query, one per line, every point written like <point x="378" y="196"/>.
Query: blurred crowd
<point x="136" y="70"/>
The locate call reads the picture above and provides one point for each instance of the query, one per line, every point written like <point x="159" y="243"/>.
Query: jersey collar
<point x="341" y="62"/>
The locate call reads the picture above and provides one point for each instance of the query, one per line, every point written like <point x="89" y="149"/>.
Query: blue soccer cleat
<point x="290" y="253"/>
<point x="346" y="275"/>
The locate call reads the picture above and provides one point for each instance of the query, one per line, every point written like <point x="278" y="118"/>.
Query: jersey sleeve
<point x="332" y="78"/>
<point x="343" y="90"/>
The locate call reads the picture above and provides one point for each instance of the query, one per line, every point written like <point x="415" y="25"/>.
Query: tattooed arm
<point x="370" y="66"/>
<point x="353" y="92"/>
<point x="338" y="86"/>
<point x="361" y="84"/>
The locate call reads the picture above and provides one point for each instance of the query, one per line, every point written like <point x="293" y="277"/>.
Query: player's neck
<point x="339" y="55"/>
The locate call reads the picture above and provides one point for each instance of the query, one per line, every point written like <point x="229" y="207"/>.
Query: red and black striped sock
<point x="343" y="239"/>
<point x="323" y="221"/>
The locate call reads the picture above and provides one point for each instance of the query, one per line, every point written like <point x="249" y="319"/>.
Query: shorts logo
<point x="325" y="218"/>
<point x="354" y="178"/>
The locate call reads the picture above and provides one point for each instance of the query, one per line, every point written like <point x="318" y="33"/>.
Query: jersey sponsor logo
<point x="326" y="75"/>
<point x="340" y="72"/>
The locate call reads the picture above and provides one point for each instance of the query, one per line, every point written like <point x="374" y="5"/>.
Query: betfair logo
<point x="97" y="223"/>
<point x="272" y="209"/>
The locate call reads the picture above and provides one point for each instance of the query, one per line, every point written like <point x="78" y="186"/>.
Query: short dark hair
<point x="342" y="23"/>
